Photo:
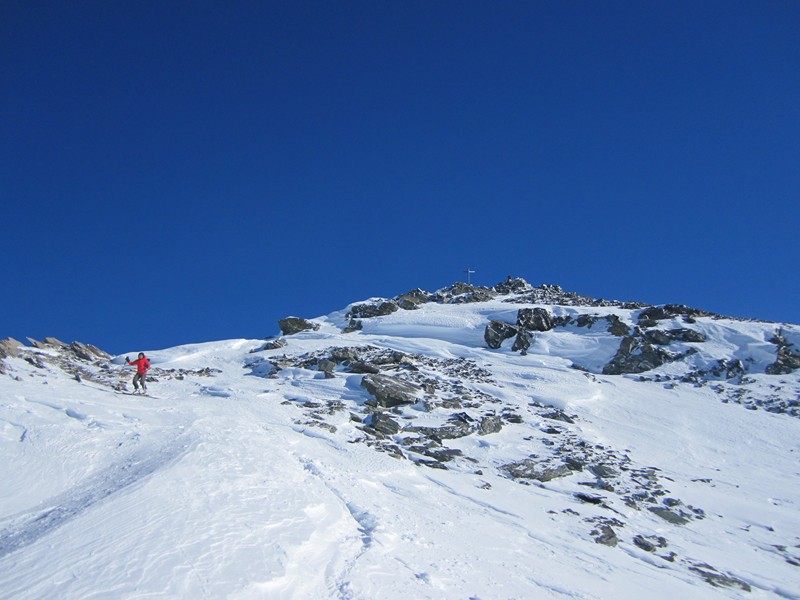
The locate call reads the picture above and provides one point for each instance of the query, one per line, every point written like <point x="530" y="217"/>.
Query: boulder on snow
<point x="458" y="425"/>
<point x="534" y="319"/>
<point x="497" y="332"/>
<point x="292" y="325"/>
<point x="390" y="391"/>
<point x="383" y="423"/>
<point x="523" y="341"/>
<point x="491" y="424"/>
<point x="531" y="469"/>
<point x="636" y="356"/>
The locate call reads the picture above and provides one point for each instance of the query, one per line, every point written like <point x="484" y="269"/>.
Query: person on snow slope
<point x="142" y="365"/>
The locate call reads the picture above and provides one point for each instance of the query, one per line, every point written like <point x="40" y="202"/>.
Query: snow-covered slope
<point x="407" y="459"/>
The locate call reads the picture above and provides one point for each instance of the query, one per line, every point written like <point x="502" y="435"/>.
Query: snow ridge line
<point x="27" y="528"/>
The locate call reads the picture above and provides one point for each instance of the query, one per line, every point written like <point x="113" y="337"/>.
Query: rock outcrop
<point x="292" y="325"/>
<point x="497" y="332"/>
<point x="389" y="392"/>
<point x="787" y="360"/>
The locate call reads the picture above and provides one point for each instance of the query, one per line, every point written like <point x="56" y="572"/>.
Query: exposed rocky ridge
<point x="423" y="409"/>
<point x="85" y="363"/>
<point x="645" y="345"/>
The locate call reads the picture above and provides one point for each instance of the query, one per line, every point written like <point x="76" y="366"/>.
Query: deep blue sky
<point x="174" y="172"/>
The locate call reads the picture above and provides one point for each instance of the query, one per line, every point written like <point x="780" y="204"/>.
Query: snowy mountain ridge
<point x="505" y="442"/>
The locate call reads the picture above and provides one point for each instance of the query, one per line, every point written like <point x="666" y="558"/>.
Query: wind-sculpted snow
<point x="22" y="530"/>
<point x="290" y="469"/>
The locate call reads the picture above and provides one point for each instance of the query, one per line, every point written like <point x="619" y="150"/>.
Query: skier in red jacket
<point x="142" y="364"/>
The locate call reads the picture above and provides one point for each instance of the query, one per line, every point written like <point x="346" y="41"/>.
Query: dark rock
<point x="292" y="325"/>
<point x="603" y="471"/>
<point x="669" y="515"/>
<point x="479" y="294"/>
<point x="669" y="311"/>
<point x="636" y="357"/>
<point x="497" y="332"/>
<point x="512" y="285"/>
<point x="353" y="325"/>
<point x="575" y="463"/>
<point x="270" y="345"/>
<point x="326" y="366"/>
<point x="617" y="327"/>
<point x="344" y="355"/>
<point x="586" y="320"/>
<point x="558" y="415"/>
<point x="787" y="360"/>
<point x="490" y="425"/>
<point x="523" y="341"/>
<point x="687" y="335"/>
<point x="589" y="498"/>
<point x="389" y="391"/>
<point x="656" y="336"/>
<point x="717" y="579"/>
<point x="650" y="543"/>
<point x="530" y="469"/>
<point x="370" y="310"/>
<point x="458" y="425"/>
<point x="383" y="423"/>
<point x="362" y="367"/>
<point x="444" y="454"/>
<point x="413" y="299"/>
<point x="607" y="536"/>
<point x="35" y="361"/>
<point x="534" y="319"/>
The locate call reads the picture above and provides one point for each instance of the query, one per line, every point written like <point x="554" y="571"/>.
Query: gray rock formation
<point x="389" y="392"/>
<point x="10" y="347"/>
<point x="383" y="423"/>
<point x="534" y="319"/>
<point x="497" y="332"/>
<point x="369" y="310"/>
<point x="532" y="469"/>
<point x="413" y="299"/>
<point x="292" y="325"/>
<point x="523" y="341"/>
<point x="787" y="360"/>
<point x="636" y="356"/>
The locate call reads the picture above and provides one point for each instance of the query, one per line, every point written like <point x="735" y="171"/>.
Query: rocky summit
<point x="612" y="423"/>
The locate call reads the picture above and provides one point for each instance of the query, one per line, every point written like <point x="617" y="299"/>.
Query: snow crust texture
<point x="506" y="442"/>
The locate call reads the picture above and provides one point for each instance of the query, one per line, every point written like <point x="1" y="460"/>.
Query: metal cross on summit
<point x="469" y="272"/>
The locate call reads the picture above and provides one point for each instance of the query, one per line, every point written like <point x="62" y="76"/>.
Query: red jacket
<point x="142" y="364"/>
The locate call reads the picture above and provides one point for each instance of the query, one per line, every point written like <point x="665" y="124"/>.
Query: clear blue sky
<point x="175" y="172"/>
